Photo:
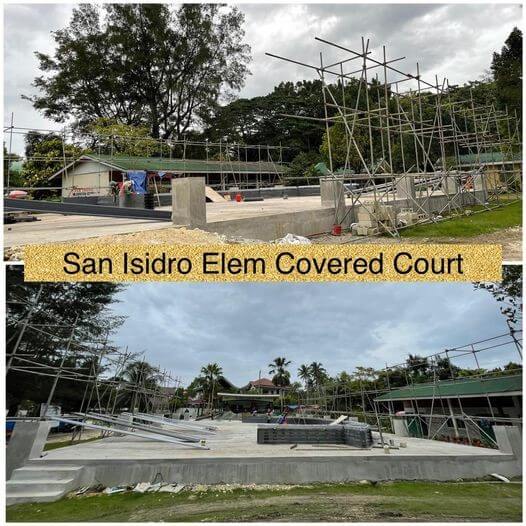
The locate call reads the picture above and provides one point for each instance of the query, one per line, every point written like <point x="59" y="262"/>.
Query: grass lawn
<point x="396" y="501"/>
<point x="473" y="225"/>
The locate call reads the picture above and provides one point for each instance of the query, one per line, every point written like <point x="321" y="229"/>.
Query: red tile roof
<point x="262" y="382"/>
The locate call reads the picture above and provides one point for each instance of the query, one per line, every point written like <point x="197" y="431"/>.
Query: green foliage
<point x="59" y="305"/>
<point x="301" y="170"/>
<point x="508" y="292"/>
<point x="15" y="178"/>
<point x="112" y="137"/>
<point x="342" y="156"/>
<point x="507" y="72"/>
<point x="156" y="65"/>
<point x="45" y="154"/>
<point x="269" y="119"/>
<point x="278" y="368"/>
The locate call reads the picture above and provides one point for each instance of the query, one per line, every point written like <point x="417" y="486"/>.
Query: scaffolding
<point x="432" y="418"/>
<point x="422" y="153"/>
<point x="98" y="369"/>
<point x="226" y="165"/>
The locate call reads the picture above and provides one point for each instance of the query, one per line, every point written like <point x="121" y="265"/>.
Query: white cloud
<point x="244" y="326"/>
<point x="453" y="40"/>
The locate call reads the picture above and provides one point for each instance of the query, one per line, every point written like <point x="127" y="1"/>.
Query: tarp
<point x="138" y="177"/>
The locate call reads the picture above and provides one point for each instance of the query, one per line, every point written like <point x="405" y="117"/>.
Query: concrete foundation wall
<point x="26" y="442"/>
<point x="270" y="227"/>
<point x="286" y="470"/>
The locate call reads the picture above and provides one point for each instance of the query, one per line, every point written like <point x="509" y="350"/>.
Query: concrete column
<point x="405" y="190"/>
<point x="449" y="184"/>
<point x="26" y="442"/>
<point x="332" y="194"/>
<point x="189" y="201"/>
<point x="479" y="186"/>
<point x="509" y="440"/>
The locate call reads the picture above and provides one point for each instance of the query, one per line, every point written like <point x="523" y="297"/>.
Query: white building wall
<point x="86" y="179"/>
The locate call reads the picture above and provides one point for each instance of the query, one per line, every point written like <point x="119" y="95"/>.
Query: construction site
<point x="142" y="432"/>
<point x="455" y="158"/>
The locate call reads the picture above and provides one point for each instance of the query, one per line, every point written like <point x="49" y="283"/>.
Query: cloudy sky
<point x="454" y="40"/>
<point x="244" y="326"/>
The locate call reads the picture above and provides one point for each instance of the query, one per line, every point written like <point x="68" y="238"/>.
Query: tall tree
<point x="143" y="64"/>
<point x="507" y="72"/>
<point x="508" y="292"/>
<point x="45" y="154"/>
<point x="318" y="373"/>
<point x="278" y="368"/>
<point x="49" y="326"/>
<point x="304" y="373"/>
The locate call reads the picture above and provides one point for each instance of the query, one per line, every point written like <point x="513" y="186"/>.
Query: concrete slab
<point x="235" y="439"/>
<point x="55" y="228"/>
<point x="235" y="457"/>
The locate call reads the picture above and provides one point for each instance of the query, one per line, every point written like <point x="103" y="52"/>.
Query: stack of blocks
<point x="351" y="433"/>
<point x="409" y="217"/>
<point x="373" y="219"/>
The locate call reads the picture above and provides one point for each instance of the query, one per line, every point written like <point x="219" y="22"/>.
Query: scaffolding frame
<point x="430" y="189"/>
<point x="362" y="403"/>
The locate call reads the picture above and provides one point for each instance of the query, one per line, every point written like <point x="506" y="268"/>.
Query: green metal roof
<point x="489" y="157"/>
<point x="185" y="166"/>
<point x="465" y="387"/>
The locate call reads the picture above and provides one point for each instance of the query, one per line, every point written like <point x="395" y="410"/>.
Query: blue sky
<point x="244" y="326"/>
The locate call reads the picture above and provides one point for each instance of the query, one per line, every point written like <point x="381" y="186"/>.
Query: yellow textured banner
<point x="359" y="262"/>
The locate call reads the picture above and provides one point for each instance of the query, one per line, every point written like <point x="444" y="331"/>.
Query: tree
<point x="9" y="161"/>
<point x="111" y="137"/>
<point x="277" y="368"/>
<point x="210" y="374"/>
<point x="339" y="141"/>
<point x="59" y="305"/>
<point x="318" y="374"/>
<point x="418" y="367"/>
<point x="45" y="153"/>
<point x="301" y="170"/>
<point x="508" y="292"/>
<point x="507" y="72"/>
<point x="304" y="373"/>
<point x="141" y="379"/>
<point x="151" y="65"/>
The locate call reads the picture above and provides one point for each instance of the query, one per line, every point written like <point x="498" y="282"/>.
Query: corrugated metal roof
<point x="489" y="157"/>
<point x="466" y="387"/>
<point x="182" y="166"/>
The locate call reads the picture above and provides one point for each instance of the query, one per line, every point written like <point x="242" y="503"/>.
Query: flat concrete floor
<point x="235" y="439"/>
<point x="55" y="228"/>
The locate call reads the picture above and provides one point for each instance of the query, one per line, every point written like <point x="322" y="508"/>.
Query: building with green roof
<point x="462" y="409"/>
<point x="92" y="175"/>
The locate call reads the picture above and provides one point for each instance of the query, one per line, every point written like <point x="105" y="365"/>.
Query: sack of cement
<point x="293" y="239"/>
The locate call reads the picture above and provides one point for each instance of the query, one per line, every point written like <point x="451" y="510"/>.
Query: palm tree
<point x="278" y="367"/>
<point x="304" y="373"/>
<point x="141" y="378"/>
<point x="318" y="373"/>
<point x="211" y="373"/>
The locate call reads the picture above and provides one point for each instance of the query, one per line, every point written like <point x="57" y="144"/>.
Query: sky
<point x="244" y="326"/>
<point x="452" y="40"/>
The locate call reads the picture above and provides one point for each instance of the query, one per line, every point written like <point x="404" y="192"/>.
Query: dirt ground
<point x="509" y="238"/>
<point x="361" y="502"/>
